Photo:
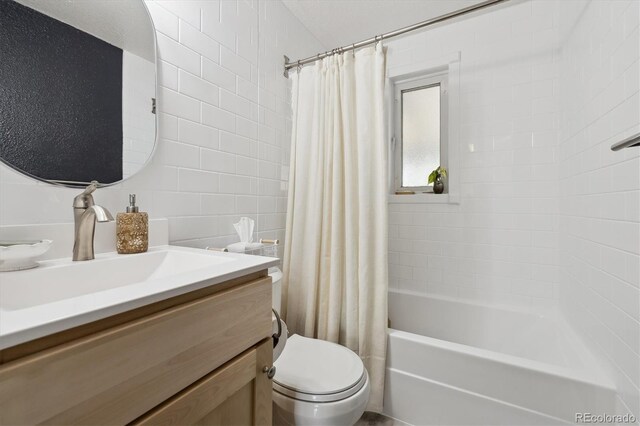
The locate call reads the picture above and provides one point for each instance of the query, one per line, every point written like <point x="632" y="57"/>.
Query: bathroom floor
<point x="375" y="419"/>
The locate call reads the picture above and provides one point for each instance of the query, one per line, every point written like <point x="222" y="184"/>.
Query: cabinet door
<point x="238" y="393"/>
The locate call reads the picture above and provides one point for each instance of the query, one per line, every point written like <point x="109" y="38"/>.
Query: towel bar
<point x="633" y="140"/>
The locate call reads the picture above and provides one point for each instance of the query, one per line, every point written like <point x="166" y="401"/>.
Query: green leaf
<point x="433" y="176"/>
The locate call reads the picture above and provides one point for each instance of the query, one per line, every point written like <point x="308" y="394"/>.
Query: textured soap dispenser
<point x="132" y="229"/>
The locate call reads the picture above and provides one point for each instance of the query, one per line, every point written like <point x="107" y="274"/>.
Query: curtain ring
<point x="299" y="67"/>
<point x="353" y="50"/>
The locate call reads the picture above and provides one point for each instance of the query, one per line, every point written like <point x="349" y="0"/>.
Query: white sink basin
<point x="65" y="280"/>
<point x="62" y="294"/>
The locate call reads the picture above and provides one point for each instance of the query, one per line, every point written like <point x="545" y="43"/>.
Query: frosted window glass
<point x="420" y="135"/>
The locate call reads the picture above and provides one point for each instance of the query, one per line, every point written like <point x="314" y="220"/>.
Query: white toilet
<point x="316" y="382"/>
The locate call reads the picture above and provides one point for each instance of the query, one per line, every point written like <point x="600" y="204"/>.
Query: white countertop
<point x="39" y="302"/>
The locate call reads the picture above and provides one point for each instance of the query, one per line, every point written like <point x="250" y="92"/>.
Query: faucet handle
<point x="85" y="199"/>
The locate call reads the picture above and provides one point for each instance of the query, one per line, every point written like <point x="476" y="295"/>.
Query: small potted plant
<point x="436" y="177"/>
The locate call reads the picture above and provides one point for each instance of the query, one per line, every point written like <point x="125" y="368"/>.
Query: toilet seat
<point x="310" y="397"/>
<point x="318" y="371"/>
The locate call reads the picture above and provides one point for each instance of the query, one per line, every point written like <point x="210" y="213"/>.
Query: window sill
<point x="422" y="198"/>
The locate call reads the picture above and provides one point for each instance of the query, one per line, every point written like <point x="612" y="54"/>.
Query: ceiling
<point x="338" y="23"/>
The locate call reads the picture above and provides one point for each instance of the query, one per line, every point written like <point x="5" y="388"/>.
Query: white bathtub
<point x="451" y="363"/>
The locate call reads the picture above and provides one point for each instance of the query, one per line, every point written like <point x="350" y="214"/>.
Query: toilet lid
<point x="317" y="370"/>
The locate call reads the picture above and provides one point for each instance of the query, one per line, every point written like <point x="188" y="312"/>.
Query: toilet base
<point x="346" y="412"/>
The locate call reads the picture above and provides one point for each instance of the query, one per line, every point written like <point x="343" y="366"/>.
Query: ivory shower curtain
<point x="335" y="261"/>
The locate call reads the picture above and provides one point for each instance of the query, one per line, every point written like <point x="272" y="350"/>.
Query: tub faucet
<point x="85" y="215"/>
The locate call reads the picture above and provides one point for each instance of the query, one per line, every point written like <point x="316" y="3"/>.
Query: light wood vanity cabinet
<point x="197" y="358"/>
<point x="239" y="393"/>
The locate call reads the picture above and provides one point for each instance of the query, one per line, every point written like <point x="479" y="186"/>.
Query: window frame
<point x="440" y="78"/>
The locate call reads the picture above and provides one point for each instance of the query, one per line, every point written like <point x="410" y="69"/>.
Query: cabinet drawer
<point x="237" y="393"/>
<point x="116" y="375"/>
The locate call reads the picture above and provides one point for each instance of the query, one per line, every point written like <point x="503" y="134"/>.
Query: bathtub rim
<point x="592" y="372"/>
<point x="582" y="376"/>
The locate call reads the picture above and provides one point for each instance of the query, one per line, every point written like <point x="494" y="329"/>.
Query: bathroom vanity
<point x="188" y="344"/>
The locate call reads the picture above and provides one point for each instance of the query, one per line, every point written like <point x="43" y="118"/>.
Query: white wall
<point x="500" y="244"/>
<point x="224" y="115"/>
<point x="600" y="189"/>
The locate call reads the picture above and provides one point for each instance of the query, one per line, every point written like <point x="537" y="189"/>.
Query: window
<point x="420" y="136"/>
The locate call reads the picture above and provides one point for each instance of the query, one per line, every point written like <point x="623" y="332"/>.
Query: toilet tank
<point x="276" y="292"/>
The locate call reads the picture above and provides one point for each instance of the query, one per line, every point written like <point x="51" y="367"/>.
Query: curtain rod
<point x="288" y="65"/>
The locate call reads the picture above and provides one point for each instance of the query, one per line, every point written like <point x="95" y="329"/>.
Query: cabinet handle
<point x="271" y="371"/>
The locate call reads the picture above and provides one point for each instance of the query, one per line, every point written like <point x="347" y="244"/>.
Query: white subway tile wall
<point x="224" y="126"/>
<point x="600" y="202"/>
<point x="500" y="244"/>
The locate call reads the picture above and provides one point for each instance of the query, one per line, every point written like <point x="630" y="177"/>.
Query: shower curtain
<point x="335" y="261"/>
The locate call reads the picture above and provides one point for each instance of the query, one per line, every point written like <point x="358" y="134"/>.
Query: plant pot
<point x="438" y="186"/>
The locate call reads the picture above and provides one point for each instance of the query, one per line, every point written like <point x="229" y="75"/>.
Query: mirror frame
<point x="73" y="184"/>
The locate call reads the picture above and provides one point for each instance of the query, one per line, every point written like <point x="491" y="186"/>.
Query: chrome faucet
<point x="85" y="216"/>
